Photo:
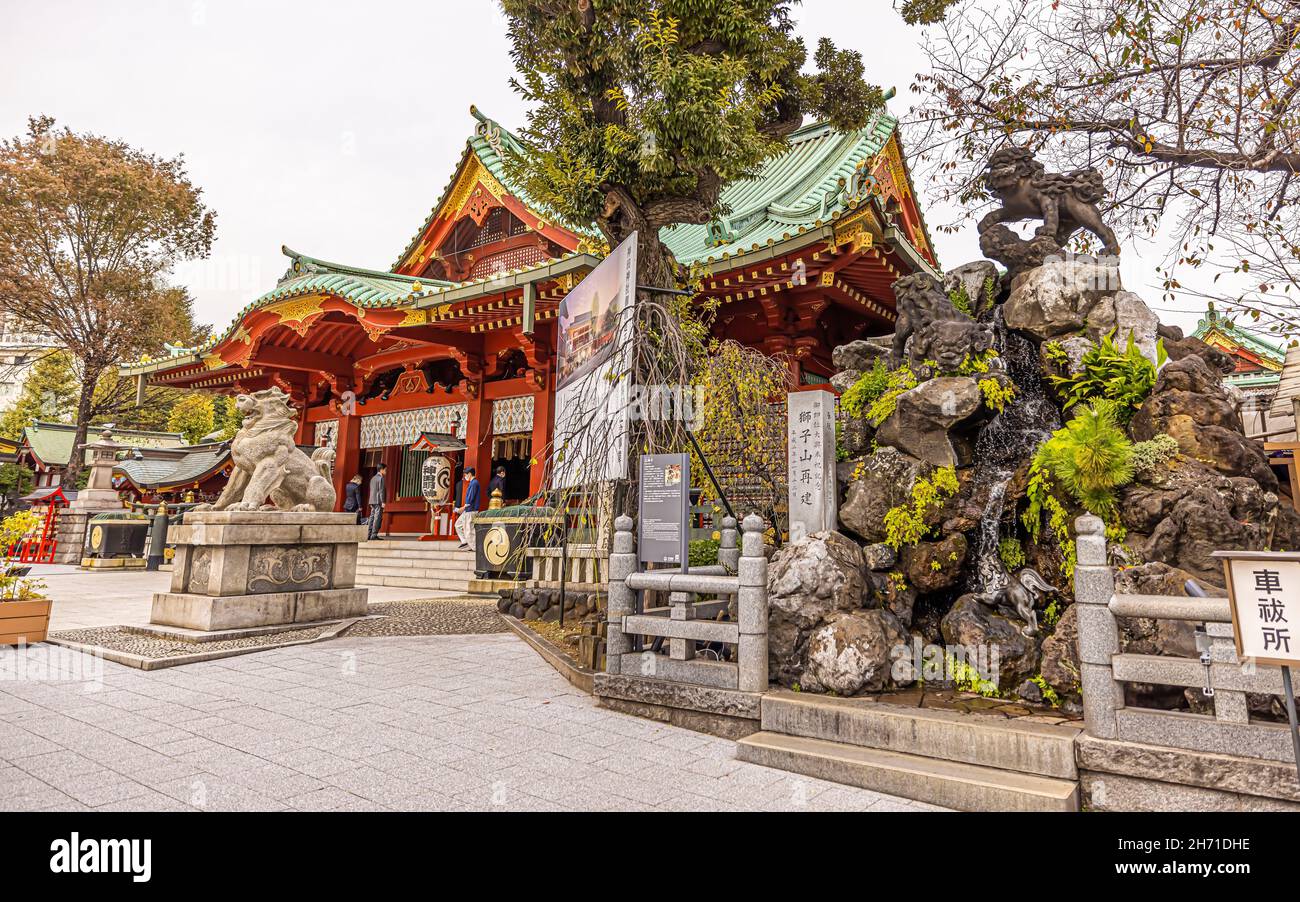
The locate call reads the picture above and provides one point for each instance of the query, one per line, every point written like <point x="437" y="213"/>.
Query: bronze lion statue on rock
<point x="269" y="464"/>
<point x="1065" y="202"/>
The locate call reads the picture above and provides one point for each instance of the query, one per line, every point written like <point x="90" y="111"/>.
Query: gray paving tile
<point x="472" y="723"/>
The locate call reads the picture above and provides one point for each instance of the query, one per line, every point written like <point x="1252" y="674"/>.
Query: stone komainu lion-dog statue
<point x="269" y="464"/>
<point x="1024" y="589"/>
<point x="938" y="330"/>
<point x="1065" y="202"/>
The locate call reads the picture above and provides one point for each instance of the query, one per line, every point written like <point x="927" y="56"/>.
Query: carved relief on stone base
<point x="297" y="568"/>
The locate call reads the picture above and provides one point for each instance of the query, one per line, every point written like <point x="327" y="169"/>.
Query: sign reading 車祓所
<point x="1264" y="590"/>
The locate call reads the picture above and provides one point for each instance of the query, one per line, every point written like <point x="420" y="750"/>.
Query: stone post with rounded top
<point x="1094" y="586"/>
<point x="622" y="599"/>
<point x="728" y="547"/>
<point x="751" y="604"/>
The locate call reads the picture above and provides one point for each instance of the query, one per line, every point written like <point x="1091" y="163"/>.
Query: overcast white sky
<point x="331" y="127"/>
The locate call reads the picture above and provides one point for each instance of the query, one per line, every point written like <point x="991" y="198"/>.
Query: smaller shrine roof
<point x="157" y="472"/>
<point x="52" y="443"/>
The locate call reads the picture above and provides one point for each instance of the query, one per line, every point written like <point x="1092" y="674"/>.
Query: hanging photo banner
<point x="595" y="330"/>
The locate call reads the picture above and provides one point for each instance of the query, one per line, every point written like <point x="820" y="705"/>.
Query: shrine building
<point x="458" y="337"/>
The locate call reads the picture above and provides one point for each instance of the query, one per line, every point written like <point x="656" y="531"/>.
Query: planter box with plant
<point x="24" y="612"/>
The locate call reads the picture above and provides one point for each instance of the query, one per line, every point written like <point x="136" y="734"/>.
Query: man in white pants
<point x="465" y="520"/>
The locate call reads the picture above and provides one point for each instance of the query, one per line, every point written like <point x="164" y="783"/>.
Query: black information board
<point x="664" y="534"/>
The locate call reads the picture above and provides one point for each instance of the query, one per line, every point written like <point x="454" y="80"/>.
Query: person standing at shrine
<point x="465" y="520"/>
<point x="378" y="492"/>
<point x="352" y="497"/>
<point x="498" y="482"/>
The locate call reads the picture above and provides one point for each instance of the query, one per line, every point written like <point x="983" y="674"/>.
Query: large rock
<point x="1147" y="636"/>
<point x="876" y="483"/>
<point x="931" y="566"/>
<point x="1060" y="659"/>
<point x="982" y="630"/>
<point x="1126" y="314"/>
<point x="807" y="581"/>
<point x="924" y="416"/>
<point x="1178" y="346"/>
<point x="972" y="279"/>
<point x="1187" y="511"/>
<point x="1058" y="297"/>
<point x="861" y="355"/>
<point x="1190" y="404"/>
<point x="853" y="652"/>
<point x="1074" y="348"/>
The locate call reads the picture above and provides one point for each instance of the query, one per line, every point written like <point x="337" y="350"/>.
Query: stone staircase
<point x="971" y="762"/>
<point x="437" y="566"/>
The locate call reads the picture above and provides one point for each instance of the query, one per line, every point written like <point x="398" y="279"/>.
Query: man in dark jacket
<point x="352" y="497"/>
<point x="498" y="482"/>
<point x="465" y="518"/>
<point x="378" y="492"/>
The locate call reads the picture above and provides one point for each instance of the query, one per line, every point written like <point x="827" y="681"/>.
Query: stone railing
<point x="1105" y="668"/>
<point x="586" y="564"/>
<point x="684" y="622"/>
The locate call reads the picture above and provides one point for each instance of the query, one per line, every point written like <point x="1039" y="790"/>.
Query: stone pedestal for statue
<point x="242" y="569"/>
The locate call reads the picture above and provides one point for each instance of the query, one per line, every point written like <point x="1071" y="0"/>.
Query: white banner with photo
<point x="595" y="331"/>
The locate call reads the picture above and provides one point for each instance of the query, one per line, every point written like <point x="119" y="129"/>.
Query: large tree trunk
<point x="85" y="404"/>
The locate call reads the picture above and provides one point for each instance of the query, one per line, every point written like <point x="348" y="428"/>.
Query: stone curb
<point x="579" y="676"/>
<point x="141" y="662"/>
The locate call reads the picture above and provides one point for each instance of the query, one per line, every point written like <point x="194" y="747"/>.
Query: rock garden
<point x="1012" y="399"/>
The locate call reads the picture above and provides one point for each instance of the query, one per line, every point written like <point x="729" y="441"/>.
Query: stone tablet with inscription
<point x="810" y="449"/>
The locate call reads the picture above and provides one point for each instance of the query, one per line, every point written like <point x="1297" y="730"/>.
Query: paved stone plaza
<point x="461" y="723"/>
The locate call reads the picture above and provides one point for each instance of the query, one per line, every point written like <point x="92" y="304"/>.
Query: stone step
<point x="416" y="572"/>
<point x="436" y="585"/>
<point x="952" y="784"/>
<point x="416" y="558"/>
<point x="415" y="550"/>
<point x="987" y="740"/>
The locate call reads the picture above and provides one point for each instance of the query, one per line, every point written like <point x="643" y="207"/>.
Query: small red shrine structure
<point x="459" y="336"/>
<point x="40" y="545"/>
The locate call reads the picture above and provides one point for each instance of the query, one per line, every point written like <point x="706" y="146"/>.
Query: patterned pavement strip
<point x="441" y="723"/>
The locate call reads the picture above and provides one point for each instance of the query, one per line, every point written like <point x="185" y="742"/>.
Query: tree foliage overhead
<point x="1188" y="108"/>
<point x="192" y="416"/>
<point x="53" y="387"/>
<point x="89" y="230"/>
<point x="645" y="109"/>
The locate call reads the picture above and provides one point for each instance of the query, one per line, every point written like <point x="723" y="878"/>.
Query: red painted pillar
<point x="478" y="441"/>
<point x="347" y="457"/>
<point x="543" y="429"/>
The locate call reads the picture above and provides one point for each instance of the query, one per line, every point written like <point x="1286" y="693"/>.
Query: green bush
<point x="875" y="395"/>
<point x="996" y="397"/>
<point x="1090" y="458"/>
<point x="905" y="524"/>
<point x="704" y="552"/>
<point x="1123" y="377"/>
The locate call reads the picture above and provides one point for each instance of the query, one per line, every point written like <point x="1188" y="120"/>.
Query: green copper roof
<point x="52" y="443"/>
<point x="363" y="287"/>
<point x="792" y="190"/>
<point x="367" y="288"/>
<point x="1249" y="340"/>
<point x="1253" y="380"/>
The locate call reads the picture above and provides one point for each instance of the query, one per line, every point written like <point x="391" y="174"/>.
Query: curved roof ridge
<point x="305" y="264"/>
